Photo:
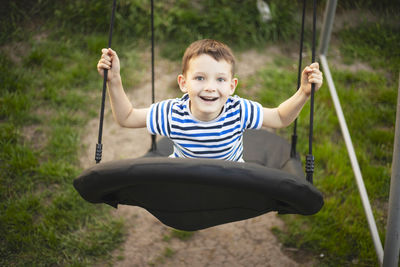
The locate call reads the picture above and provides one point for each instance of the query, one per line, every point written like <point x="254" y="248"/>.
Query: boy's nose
<point x="211" y="87"/>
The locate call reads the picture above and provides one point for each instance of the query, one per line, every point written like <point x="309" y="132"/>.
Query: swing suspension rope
<point x="99" y="145"/>
<point x="309" y="157"/>
<point x="153" y="137"/>
<point x="293" y="151"/>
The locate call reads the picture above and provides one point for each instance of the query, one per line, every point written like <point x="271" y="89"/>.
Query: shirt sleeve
<point x="158" y="118"/>
<point x="252" y="114"/>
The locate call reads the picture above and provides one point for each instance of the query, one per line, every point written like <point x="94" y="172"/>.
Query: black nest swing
<point x="193" y="194"/>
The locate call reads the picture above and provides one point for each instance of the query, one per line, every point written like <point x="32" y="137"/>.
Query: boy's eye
<point x="199" y="78"/>
<point x="221" y="79"/>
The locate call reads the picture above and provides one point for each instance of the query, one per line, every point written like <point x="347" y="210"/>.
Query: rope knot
<point x="99" y="152"/>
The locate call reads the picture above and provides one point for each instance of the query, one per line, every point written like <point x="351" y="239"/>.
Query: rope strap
<point x="153" y="137"/>
<point x="294" y="135"/>
<point x="99" y="146"/>
<point x="310" y="157"/>
<point x="309" y="165"/>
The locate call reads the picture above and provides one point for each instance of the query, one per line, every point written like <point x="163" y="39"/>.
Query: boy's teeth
<point x="208" y="98"/>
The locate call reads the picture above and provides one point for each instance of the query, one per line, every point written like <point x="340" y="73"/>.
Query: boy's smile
<point x="208" y="83"/>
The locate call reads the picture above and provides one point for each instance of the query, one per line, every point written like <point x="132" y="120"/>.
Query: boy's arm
<point x="285" y="113"/>
<point x="288" y="111"/>
<point x="122" y="108"/>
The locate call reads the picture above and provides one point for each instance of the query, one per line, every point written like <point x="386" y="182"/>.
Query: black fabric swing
<point x="193" y="194"/>
<point x="189" y="194"/>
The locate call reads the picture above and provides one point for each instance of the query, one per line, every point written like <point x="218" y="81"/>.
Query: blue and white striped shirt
<point x="221" y="138"/>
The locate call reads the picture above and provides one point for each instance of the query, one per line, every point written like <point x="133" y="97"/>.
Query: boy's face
<point x="209" y="83"/>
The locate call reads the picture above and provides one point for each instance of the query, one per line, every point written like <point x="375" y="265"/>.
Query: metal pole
<point x="327" y="25"/>
<point x="392" y="242"/>
<point x="353" y="159"/>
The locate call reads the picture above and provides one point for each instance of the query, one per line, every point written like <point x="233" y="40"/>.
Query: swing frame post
<point x="326" y="31"/>
<point x="392" y="241"/>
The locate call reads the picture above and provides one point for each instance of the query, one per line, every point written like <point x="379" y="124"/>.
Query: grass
<point x="43" y="220"/>
<point x="377" y="43"/>
<point x="169" y="252"/>
<point x="176" y="22"/>
<point x="179" y="234"/>
<point x="47" y="87"/>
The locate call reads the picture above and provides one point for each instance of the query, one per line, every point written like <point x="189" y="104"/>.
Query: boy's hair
<point x="213" y="48"/>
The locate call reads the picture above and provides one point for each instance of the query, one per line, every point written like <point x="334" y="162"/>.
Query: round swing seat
<point x="193" y="194"/>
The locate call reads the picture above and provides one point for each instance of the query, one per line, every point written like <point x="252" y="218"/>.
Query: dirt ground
<point x="149" y="242"/>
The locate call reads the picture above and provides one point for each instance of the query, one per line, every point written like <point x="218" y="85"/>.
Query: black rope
<point x="153" y="137"/>
<point x="310" y="157"/>
<point x="293" y="151"/>
<point x="99" y="145"/>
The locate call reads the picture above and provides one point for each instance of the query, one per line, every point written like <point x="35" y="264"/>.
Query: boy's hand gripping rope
<point x="99" y="146"/>
<point x="294" y="135"/>
<point x="310" y="157"/>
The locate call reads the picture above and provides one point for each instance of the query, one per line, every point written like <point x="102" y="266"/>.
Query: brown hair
<point x="213" y="48"/>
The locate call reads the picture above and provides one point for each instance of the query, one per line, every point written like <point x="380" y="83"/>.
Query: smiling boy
<point x="207" y="121"/>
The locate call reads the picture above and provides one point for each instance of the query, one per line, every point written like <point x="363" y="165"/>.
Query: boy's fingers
<point x="315" y="79"/>
<point x="105" y="62"/>
<point x="104" y="66"/>
<point x="112" y="52"/>
<point x="108" y="51"/>
<point x="106" y="57"/>
<point x="313" y="67"/>
<point x="316" y="74"/>
<point x="306" y="70"/>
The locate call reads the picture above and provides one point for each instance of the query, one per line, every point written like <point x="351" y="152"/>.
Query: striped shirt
<point x="221" y="138"/>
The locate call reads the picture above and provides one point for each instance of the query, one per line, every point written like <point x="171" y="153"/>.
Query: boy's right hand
<point x="109" y="60"/>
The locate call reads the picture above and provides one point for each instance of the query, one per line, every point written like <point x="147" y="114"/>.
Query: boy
<point x="208" y="121"/>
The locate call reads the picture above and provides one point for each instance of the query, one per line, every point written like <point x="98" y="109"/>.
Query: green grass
<point x="46" y="98"/>
<point x="167" y="251"/>
<point x="177" y="22"/>
<point x="377" y="43"/>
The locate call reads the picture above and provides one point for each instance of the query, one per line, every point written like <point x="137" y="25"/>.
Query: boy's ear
<point x="182" y="83"/>
<point x="234" y="83"/>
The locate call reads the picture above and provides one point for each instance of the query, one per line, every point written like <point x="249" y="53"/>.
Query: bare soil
<point x="149" y="242"/>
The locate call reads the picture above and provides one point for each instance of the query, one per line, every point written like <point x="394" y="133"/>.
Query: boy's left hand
<point x="311" y="74"/>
